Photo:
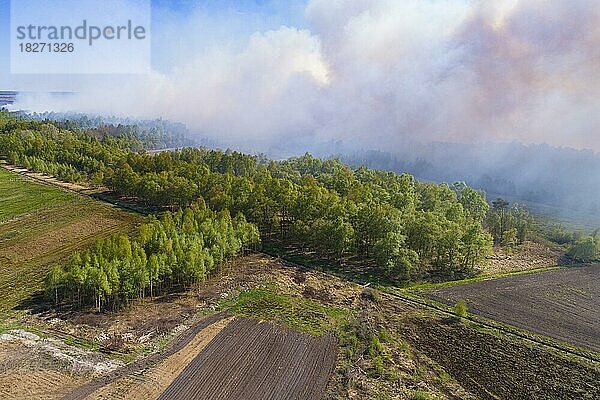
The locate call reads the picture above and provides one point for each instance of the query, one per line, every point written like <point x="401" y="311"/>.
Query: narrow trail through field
<point x="138" y="368"/>
<point x="149" y="385"/>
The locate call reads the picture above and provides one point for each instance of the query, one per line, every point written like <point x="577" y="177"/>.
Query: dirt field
<point x="390" y="349"/>
<point x="43" y="368"/>
<point x="493" y="366"/>
<point x="225" y="358"/>
<point x="149" y="384"/>
<point x="562" y="304"/>
<point x="527" y="256"/>
<point x="254" y="360"/>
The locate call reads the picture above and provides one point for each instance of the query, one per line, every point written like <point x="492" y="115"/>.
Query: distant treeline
<point x="564" y="178"/>
<point x="144" y="134"/>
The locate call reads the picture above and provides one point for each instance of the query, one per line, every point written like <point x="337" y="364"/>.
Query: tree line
<point x="180" y="248"/>
<point x="405" y="228"/>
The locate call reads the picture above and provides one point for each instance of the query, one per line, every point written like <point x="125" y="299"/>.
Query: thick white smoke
<point x="380" y="72"/>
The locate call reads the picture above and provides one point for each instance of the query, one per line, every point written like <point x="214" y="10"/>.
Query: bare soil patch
<point x="150" y="384"/>
<point x="562" y="304"/>
<point x="42" y="369"/>
<point x="527" y="256"/>
<point x="254" y="360"/>
<point x="492" y="366"/>
<point x="139" y="367"/>
<point x="39" y="385"/>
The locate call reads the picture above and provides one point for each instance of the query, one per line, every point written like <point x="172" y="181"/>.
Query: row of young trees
<point x="405" y="227"/>
<point x="180" y="248"/>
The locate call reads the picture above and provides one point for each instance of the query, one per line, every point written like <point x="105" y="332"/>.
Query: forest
<point x="404" y="228"/>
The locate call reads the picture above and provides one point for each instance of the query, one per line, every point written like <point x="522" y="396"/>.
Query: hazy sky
<point x="374" y="72"/>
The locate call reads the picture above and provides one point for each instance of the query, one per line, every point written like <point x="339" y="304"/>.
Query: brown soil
<point x="254" y="360"/>
<point x="562" y="304"/>
<point x="256" y="269"/>
<point x="149" y="319"/>
<point x="28" y="374"/>
<point x="151" y="384"/>
<point x="138" y="367"/>
<point x="129" y="329"/>
<point x="527" y="256"/>
<point x="36" y="385"/>
<point x="495" y="367"/>
<point x="250" y="360"/>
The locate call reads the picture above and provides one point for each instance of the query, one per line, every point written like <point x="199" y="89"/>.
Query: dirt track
<point x="253" y="360"/>
<point x="562" y="304"/>
<point x="138" y="367"/>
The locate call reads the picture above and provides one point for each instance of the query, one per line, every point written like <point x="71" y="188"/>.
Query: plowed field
<point x="253" y="360"/>
<point x="562" y="304"/>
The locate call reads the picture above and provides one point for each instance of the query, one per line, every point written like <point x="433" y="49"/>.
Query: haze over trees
<point x="586" y="248"/>
<point x="561" y="181"/>
<point x="405" y="228"/>
<point x="509" y="225"/>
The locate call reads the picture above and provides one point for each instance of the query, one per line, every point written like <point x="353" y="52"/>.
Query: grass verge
<point x="267" y="303"/>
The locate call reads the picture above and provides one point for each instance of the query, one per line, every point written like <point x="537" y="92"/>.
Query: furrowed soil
<point x="562" y="304"/>
<point x="494" y="366"/>
<point x="140" y="373"/>
<point x="258" y="360"/>
<point x="185" y="345"/>
<point x="141" y="382"/>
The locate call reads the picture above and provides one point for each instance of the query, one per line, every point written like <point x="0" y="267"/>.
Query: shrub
<point x="585" y="249"/>
<point x="422" y="395"/>
<point x="460" y="310"/>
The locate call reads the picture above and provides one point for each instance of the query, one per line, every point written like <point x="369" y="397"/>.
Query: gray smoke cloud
<point x="378" y="73"/>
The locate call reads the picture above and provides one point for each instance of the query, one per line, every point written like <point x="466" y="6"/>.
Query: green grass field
<point x="20" y="196"/>
<point x="41" y="226"/>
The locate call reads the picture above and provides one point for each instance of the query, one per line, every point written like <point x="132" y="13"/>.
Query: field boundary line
<point x="176" y="345"/>
<point x="505" y="328"/>
<point x="57" y="183"/>
<point x="413" y="298"/>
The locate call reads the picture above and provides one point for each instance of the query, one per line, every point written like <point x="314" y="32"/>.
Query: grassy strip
<point x="420" y="286"/>
<point x="496" y="327"/>
<point x="20" y="196"/>
<point x="267" y="303"/>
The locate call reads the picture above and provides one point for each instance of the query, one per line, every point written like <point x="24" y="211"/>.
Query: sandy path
<point x="151" y="384"/>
